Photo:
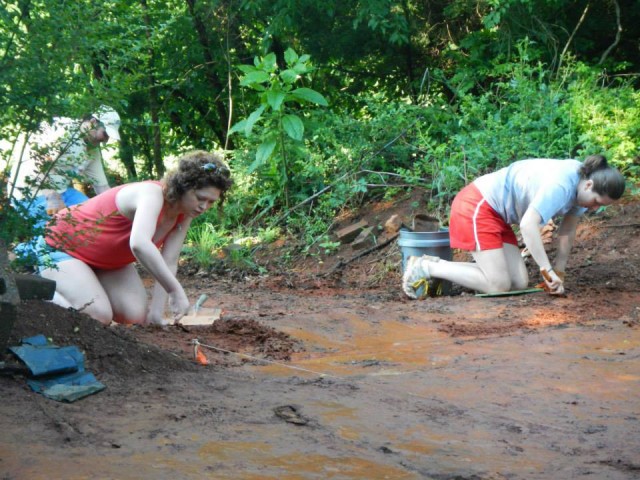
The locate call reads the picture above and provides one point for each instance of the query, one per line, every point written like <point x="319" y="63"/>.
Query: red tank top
<point x="96" y="232"/>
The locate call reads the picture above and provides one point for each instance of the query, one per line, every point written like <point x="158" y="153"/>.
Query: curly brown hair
<point x="197" y="169"/>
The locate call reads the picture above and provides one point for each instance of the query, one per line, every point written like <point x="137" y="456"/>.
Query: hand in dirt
<point x="554" y="284"/>
<point x="178" y="304"/>
<point x="155" y="319"/>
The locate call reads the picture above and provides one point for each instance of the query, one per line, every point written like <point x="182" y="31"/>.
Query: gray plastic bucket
<point x="416" y="244"/>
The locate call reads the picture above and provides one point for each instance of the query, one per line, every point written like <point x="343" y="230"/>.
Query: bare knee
<point x="131" y="316"/>
<point x="520" y="283"/>
<point x="498" y="285"/>
<point x="99" y="310"/>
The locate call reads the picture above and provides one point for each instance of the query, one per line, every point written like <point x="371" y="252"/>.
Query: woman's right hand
<point x="556" y="284"/>
<point x="178" y="304"/>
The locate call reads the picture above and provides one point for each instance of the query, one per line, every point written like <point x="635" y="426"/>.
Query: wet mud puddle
<point x="527" y="405"/>
<point x="373" y="397"/>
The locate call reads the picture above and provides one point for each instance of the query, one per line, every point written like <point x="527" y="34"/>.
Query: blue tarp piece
<point x="36" y="341"/>
<point x="48" y="359"/>
<point x="59" y="370"/>
<point x="68" y="388"/>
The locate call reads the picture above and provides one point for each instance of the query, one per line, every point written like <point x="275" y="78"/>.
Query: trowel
<point x="201" y="316"/>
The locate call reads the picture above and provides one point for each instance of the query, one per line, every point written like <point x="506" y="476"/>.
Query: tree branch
<point x="618" y="34"/>
<point x="573" y="34"/>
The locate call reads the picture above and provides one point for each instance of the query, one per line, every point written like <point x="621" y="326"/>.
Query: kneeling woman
<point x="527" y="193"/>
<point x="95" y="244"/>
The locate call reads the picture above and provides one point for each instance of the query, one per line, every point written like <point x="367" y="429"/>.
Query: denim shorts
<point x="48" y="256"/>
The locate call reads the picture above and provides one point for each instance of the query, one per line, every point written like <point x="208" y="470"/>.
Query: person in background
<point x="527" y="193"/>
<point x="93" y="246"/>
<point x="41" y="181"/>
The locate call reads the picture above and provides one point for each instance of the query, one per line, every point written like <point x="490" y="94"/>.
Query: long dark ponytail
<point x="606" y="179"/>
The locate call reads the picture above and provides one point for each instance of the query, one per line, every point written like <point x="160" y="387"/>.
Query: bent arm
<point x="566" y="237"/>
<point x="530" y="229"/>
<point x="171" y="253"/>
<point x="148" y="205"/>
<point x="94" y="171"/>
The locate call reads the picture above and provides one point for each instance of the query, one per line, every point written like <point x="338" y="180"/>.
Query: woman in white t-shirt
<point x="528" y="193"/>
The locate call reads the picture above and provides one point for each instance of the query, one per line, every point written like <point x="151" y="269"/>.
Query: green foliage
<point x="422" y="93"/>
<point x="241" y="259"/>
<point x="329" y="246"/>
<point x="277" y="124"/>
<point x="606" y="114"/>
<point x="204" y="240"/>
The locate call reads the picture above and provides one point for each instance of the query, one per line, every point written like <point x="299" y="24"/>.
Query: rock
<point x="364" y="239"/>
<point x="425" y="223"/>
<point x="393" y="224"/>
<point x="32" y="287"/>
<point x="9" y="298"/>
<point x="348" y="234"/>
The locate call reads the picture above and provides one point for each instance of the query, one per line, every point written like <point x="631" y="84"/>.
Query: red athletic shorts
<point x="475" y="225"/>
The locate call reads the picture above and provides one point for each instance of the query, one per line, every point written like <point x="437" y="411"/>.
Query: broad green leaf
<point x="301" y="68"/>
<point x="262" y="154"/>
<point x="241" y="125"/>
<point x="270" y="63"/>
<point x="246" y="68"/>
<point x="293" y="126"/>
<point x="288" y="76"/>
<point x="275" y="100"/>
<point x="309" y="95"/>
<point x="253" y="118"/>
<point x="256" y="76"/>
<point x="290" y="56"/>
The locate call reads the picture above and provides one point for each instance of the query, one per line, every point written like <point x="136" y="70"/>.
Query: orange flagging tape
<point x="200" y="357"/>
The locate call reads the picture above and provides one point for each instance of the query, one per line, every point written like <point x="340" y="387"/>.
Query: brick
<point x="425" y="223"/>
<point x="348" y="234"/>
<point x="34" y="287"/>
<point x="366" y="238"/>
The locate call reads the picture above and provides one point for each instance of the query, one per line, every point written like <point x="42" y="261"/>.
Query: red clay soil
<point x="498" y="390"/>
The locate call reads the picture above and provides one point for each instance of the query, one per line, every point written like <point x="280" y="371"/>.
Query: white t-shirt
<point x="76" y="159"/>
<point x="547" y="185"/>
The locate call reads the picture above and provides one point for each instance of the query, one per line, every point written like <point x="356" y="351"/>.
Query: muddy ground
<point x="344" y="378"/>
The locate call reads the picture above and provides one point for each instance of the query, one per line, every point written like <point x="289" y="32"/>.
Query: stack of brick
<point x="361" y="235"/>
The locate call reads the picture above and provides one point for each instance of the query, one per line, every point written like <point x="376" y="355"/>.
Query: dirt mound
<point x="108" y="350"/>
<point x="127" y="351"/>
<point x="244" y="336"/>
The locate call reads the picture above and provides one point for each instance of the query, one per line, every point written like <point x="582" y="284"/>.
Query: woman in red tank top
<point x="95" y="245"/>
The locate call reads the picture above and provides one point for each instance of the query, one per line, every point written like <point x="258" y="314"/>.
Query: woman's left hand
<point x="178" y="304"/>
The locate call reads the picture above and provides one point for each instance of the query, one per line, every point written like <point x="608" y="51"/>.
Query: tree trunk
<point x="153" y="99"/>
<point x="217" y="85"/>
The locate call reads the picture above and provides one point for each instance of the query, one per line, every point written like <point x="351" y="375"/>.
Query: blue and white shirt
<point x="548" y="185"/>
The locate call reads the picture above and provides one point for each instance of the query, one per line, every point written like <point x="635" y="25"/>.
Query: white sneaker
<point x="416" y="281"/>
